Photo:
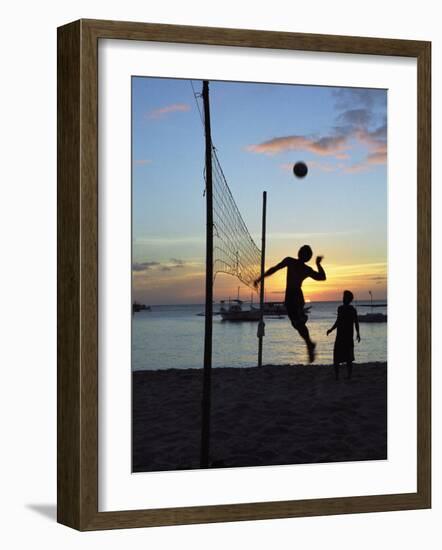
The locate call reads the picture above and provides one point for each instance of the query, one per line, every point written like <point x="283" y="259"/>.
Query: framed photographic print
<point x="243" y="275"/>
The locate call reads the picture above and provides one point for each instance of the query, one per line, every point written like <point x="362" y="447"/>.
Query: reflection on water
<point x="173" y="336"/>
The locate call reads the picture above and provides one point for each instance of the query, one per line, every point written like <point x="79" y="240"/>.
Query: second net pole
<point x="261" y="323"/>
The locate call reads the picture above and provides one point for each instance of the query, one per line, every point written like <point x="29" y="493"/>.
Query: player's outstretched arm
<point x="273" y="270"/>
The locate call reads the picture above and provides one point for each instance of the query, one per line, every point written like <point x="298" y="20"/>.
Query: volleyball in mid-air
<point x="300" y="169"/>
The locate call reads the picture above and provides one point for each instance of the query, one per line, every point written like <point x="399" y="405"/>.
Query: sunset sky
<point x="260" y="131"/>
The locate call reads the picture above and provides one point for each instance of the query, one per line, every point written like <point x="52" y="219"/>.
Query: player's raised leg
<point x="305" y="335"/>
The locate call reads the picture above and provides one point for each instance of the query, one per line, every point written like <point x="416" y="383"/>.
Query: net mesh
<point x="234" y="250"/>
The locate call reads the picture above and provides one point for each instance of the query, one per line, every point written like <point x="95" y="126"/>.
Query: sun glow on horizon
<point x="359" y="278"/>
<point x="186" y="285"/>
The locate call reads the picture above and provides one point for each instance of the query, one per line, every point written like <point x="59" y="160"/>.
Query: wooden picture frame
<point x="78" y="274"/>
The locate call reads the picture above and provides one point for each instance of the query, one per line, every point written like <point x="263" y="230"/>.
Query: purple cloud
<point x="144" y="266"/>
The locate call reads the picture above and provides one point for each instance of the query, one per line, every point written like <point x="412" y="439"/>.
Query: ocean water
<point x="173" y="337"/>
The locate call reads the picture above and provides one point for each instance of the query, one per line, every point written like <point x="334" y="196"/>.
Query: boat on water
<point x="235" y="312"/>
<point x="372" y="317"/>
<point x="136" y="307"/>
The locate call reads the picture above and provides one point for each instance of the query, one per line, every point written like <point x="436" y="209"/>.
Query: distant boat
<point x="235" y="312"/>
<point x="372" y="317"/>
<point x="136" y="307"/>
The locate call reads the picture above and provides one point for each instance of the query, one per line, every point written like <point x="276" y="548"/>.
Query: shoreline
<point x="269" y="415"/>
<point x="285" y="365"/>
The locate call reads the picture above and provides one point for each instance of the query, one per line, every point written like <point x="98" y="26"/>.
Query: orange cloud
<point x="377" y="158"/>
<point x="375" y="140"/>
<point x="372" y="159"/>
<point x="337" y="144"/>
<point x="163" y="111"/>
<point x="327" y="145"/>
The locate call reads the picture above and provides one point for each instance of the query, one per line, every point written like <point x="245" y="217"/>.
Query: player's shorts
<point x="296" y="314"/>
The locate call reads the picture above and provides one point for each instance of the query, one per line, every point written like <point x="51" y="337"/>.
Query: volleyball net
<point x="234" y="250"/>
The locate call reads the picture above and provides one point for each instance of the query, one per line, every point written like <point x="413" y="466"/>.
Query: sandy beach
<point x="260" y="416"/>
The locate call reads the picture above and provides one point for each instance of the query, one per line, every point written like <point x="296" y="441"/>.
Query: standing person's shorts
<point x="296" y="314"/>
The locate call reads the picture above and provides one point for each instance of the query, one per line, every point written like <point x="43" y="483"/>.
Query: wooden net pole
<point x="261" y="323"/>
<point x="207" y="372"/>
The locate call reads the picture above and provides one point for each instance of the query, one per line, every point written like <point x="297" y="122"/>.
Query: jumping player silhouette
<point x="297" y="271"/>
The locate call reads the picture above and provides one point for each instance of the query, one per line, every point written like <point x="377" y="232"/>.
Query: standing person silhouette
<point x="297" y="271"/>
<point x="343" y="351"/>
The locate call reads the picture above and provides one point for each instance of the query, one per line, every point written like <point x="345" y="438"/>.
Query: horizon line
<point x="266" y="302"/>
